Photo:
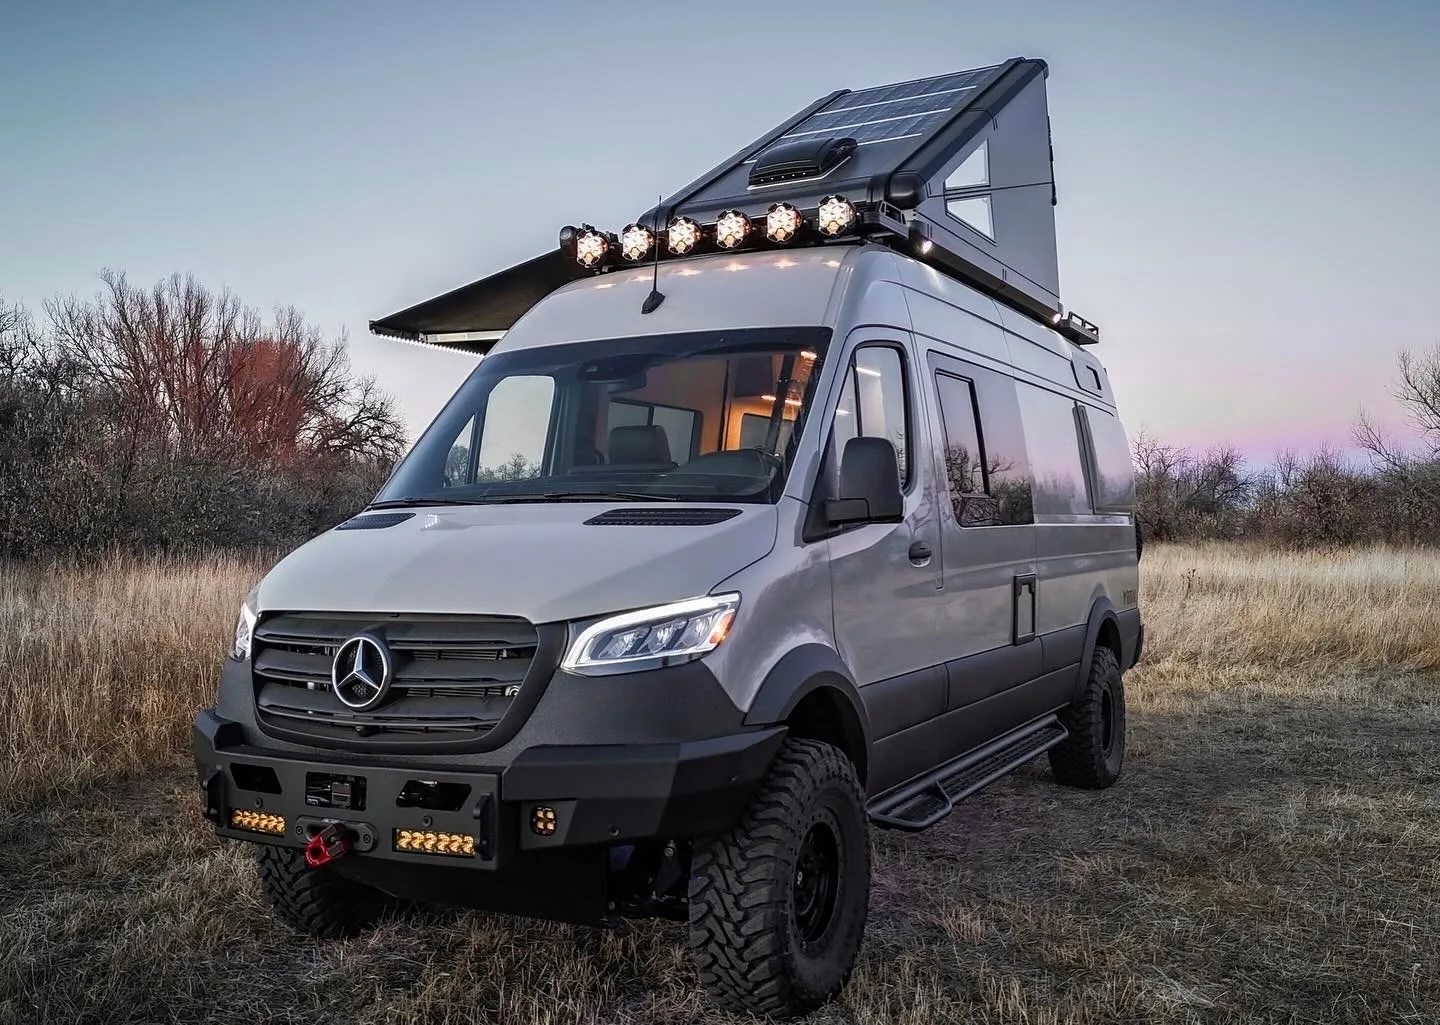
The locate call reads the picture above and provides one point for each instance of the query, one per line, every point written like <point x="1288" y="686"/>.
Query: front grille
<point x="453" y="676"/>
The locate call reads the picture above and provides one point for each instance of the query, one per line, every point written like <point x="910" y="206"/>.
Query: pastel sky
<point x="1248" y="204"/>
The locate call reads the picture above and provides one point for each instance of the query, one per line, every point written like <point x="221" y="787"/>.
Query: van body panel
<point x="1078" y="563"/>
<point x="539" y="561"/>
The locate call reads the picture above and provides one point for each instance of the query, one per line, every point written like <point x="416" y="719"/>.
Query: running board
<point x="927" y="800"/>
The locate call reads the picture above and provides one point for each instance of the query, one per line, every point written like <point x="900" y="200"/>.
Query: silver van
<point x="779" y="522"/>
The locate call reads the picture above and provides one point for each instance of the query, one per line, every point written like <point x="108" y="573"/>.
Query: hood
<point x="540" y="561"/>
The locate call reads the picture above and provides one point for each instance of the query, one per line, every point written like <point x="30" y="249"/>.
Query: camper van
<point x="797" y="508"/>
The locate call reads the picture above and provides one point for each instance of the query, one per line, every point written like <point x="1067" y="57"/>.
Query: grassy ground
<point x="1273" y="853"/>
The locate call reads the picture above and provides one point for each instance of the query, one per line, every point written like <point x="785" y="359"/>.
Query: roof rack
<point x="927" y="167"/>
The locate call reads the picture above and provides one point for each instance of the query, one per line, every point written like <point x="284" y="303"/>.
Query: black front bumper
<point x="599" y="795"/>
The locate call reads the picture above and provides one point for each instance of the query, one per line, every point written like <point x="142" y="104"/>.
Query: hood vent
<point x="375" y="521"/>
<point x="661" y="517"/>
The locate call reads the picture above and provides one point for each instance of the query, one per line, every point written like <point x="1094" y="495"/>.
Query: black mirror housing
<point x="869" y="485"/>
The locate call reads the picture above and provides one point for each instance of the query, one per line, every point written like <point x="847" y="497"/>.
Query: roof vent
<point x="802" y="160"/>
<point x="632" y="517"/>
<point x="379" y="521"/>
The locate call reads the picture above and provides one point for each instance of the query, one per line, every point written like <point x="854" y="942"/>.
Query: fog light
<point x="591" y="246"/>
<point x="683" y="236"/>
<point x="542" y="821"/>
<point x="635" y="242"/>
<point x="732" y="229"/>
<point x="836" y="215"/>
<point x="424" y="841"/>
<point x="258" y="822"/>
<point x="782" y="223"/>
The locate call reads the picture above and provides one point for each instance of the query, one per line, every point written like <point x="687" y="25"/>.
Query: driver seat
<point x="640" y="445"/>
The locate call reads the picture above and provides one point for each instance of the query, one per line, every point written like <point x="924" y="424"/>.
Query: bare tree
<point x="199" y="372"/>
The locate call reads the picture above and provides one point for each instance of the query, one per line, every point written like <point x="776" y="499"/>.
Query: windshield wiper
<point x="410" y="503"/>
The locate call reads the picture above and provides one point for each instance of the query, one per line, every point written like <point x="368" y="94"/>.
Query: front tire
<point x="317" y="901"/>
<point x="1093" y="755"/>
<point x="778" y="904"/>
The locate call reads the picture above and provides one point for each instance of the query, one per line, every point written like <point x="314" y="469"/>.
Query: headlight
<point x="651" y="638"/>
<point x="244" y="627"/>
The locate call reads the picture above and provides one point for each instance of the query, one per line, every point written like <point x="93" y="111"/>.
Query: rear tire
<point x="1094" y="754"/>
<point x="778" y="904"/>
<point x="317" y="901"/>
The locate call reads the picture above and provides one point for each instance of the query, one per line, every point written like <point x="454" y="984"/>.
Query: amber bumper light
<point x="542" y="821"/>
<point x="421" y="841"/>
<point x="258" y="822"/>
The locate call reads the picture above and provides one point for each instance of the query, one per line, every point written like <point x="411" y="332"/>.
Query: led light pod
<point x="783" y="223"/>
<point x="591" y="247"/>
<point x="732" y="229"/>
<point x="636" y="242"/>
<point x="836" y="215"/>
<point x="682" y="236"/>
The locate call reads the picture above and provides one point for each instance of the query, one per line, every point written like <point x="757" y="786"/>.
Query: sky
<point x="1247" y="204"/>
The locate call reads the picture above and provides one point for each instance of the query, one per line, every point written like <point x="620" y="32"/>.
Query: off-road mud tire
<point x="318" y="902"/>
<point x="1094" y="754"/>
<point x="750" y="913"/>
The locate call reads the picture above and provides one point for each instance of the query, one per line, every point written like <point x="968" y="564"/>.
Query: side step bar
<point x="927" y="800"/>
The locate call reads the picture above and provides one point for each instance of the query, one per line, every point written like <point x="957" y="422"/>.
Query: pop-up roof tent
<point x="955" y="170"/>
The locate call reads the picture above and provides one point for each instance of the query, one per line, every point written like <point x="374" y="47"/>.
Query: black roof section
<point x="961" y="161"/>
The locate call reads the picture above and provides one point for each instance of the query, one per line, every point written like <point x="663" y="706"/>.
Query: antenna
<point x="656" y="297"/>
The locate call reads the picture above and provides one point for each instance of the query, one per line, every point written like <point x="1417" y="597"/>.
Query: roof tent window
<point x="975" y="213"/>
<point x="973" y="172"/>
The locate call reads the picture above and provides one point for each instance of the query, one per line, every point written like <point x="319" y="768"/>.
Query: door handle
<point x="919" y="551"/>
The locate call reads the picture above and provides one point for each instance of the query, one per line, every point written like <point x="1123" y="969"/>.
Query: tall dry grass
<point x="1227" y="624"/>
<point x="105" y="664"/>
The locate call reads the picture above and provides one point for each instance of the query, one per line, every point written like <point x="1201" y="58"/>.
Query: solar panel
<point x="889" y="113"/>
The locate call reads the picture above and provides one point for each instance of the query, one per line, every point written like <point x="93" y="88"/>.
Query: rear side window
<point x="984" y="445"/>
<point x="1053" y="441"/>
<point x="1113" y="475"/>
<point x="964" y="457"/>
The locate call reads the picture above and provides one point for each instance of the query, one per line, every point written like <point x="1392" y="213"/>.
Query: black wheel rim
<point x="817" y="882"/>
<point x="1107" y="720"/>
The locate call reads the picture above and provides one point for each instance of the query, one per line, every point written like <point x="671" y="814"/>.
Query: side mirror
<point x="869" y="485"/>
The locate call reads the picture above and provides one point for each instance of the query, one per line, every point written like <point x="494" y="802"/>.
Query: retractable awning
<point x="472" y="317"/>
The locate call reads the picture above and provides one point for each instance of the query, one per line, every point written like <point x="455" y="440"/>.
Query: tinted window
<point x="964" y="467"/>
<point x="1007" y="471"/>
<point x="1114" y="473"/>
<point x="1053" y="444"/>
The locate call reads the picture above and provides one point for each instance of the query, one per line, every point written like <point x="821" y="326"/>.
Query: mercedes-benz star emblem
<point x="361" y="672"/>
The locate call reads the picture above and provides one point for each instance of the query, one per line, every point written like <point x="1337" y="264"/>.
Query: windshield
<point x="708" y="416"/>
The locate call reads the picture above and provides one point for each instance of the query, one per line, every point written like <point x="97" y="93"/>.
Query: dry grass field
<point x="1273" y="853"/>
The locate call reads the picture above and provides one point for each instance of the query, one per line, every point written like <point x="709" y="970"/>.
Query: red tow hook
<point x="329" y="844"/>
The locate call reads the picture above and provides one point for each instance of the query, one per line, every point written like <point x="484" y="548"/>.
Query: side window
<point x="964" y="459"/>
<point x="985" y="461"/>
<point x="457" y="462"/>
<point x="881" y="409"/>
<point x="1053" y="441"/>
<point x="681" y="426"/>
<point x="519" y="410"/>
<point x="1113" y="475"/>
